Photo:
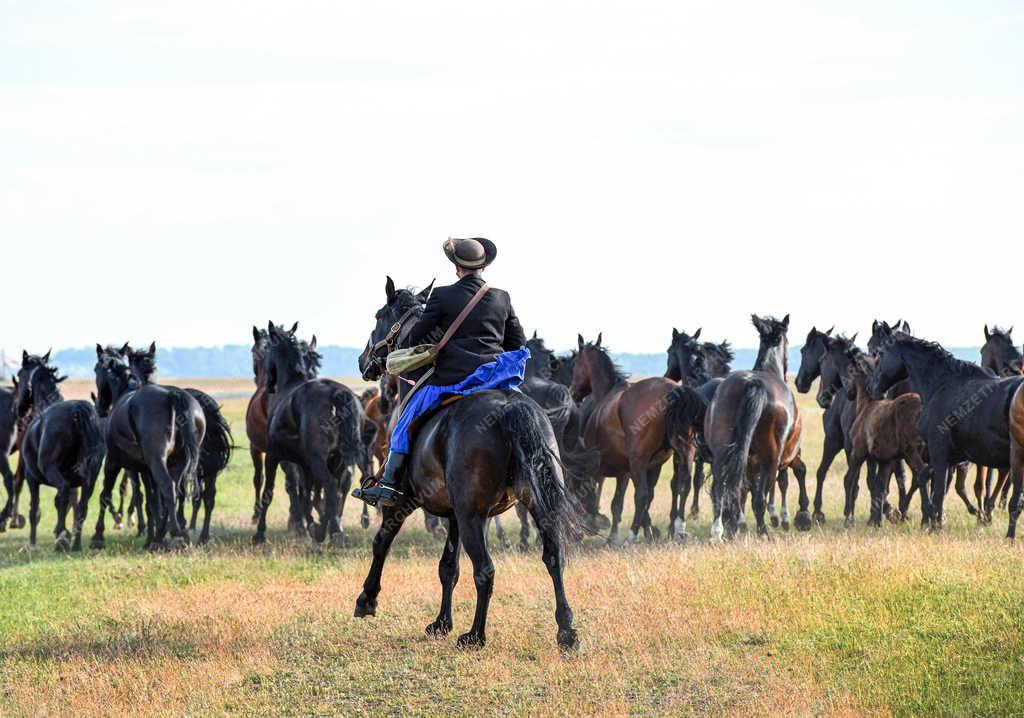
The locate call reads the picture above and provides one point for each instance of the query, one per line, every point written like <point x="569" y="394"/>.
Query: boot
<point x="386" y="490"/>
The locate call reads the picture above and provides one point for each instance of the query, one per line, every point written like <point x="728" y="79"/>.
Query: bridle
<point x="396" y="334"/>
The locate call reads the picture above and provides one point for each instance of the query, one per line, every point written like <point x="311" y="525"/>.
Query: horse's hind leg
<point x="472" y="530"/>
<point x="524" y="527"/>
<point x="257" y="480"/>
<point x="110" y="470"/>
<point x="767" y="473"/>
<point x="782" y="481"/>
<point x="57" y="480"/>
<point x="8" y="476"/>
<point x="554" y="559"/>
<point x="685" y="484"/>
<point x="773" y="517"/>
<point x="828" y="455"/>
<point x="617" y="500"/>
<point x="961" y="482"/>
<point x="653" y="476"/>
<point x="803" y="516"/>
<point x="640" y="491"/>
<point x="391" y="523"/>
<point x="118" y="514"/>
<point x="209" y="498"/>
<point x="448" y="572"/>
<point x="698" y="484"/>
<point x="982" y="479"/>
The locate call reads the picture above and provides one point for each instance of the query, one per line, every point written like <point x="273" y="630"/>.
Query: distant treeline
<point x="236" y="361"/>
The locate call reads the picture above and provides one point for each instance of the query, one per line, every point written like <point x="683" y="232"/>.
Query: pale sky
<point x="180" y="171"/>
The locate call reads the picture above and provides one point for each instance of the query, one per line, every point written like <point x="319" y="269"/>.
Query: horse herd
<point x="546" y="450"/>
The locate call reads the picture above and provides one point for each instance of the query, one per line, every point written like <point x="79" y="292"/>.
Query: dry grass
<point x="832" y="622"/>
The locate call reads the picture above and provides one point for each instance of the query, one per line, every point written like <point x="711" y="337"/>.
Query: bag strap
<point x="460" y="319"/>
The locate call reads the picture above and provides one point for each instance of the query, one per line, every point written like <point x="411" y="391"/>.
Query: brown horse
<point x="753" y="430"/>
<point x="625" y="428"/>
<point x="885" y="431"/>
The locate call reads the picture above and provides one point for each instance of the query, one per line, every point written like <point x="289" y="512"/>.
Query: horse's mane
<point x="608" y="364"/>
<point x="723" y="351"/>
<point x="939" y="353"/>
<point x="314" y="359"/>
<point x="999" y="331"/>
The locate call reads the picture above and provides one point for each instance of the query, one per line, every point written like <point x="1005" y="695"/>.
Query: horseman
<point x="486" y="351"/>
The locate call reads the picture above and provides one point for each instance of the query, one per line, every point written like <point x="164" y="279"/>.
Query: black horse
<point x="471" y="460"/>
<point x="62" y="448"/>
<point x="156" y="431"/>
<point x="8" y="434"/>
<point x="315" y="424"/>
<point x="999" y="354"/>
<point x="214" y="452"/>
<point x="965" y="415"/>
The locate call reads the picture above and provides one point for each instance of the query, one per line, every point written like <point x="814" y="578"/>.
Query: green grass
<point x="835" y="621"/>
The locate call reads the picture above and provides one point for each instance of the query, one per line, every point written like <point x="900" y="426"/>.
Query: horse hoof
<point x="365" y="606"/>
<point x="259" y="540"/>
<point x="819" y="518"/>
<point x="63" y="544"/>
<point x="741" y="528"/>
<point x="694" y="513"/>
<point x="117" y="518"/>
<point x="803" y="521"/>
<point x="655" y="534"/>
<point x="568" y="640"/>
<point x="364" y="522"/>
<point x="849" y="522"/>
<point x="470" y="642"/>
<point x="681" y="537"/>
<point x="600" y="523"/>
<point x="97" y="543"/>
<point x="18" y="522"/>
<point x="439" y="629"/>
<point x="339" y="540"/>
<point x="178" y="543"/>
<point x="775" y="522"/>
<point x="32" y="548"/>
<point x="785" y="525"/>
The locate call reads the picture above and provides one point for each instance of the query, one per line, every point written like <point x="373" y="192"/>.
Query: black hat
<point x="475" y="253"/>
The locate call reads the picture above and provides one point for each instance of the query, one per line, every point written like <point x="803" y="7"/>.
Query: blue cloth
<point x="505" y="372"/>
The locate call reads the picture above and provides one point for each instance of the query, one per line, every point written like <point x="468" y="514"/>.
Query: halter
<point x="393" y="338"/>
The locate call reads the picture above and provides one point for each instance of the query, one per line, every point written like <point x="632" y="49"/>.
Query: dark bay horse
<point x="626" y="429"/>
<point x="471" y="460"/>
<point x="62" y="448"/>
<point x="965" y="415"/>
<point x="215" y="450"/>
<point x="753" y="430"/>
<point x="315" y="424"/>
<point x="153" y="430"/>
<point x="999" y="354"/>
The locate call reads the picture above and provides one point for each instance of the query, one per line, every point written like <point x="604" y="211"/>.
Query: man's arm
<point x="428" y="323"/>
<point x="515" y="337"/>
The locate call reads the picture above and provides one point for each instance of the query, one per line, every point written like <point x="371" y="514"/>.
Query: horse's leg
<point x="152" y="507"/>
<point x="266" y="498"/>
<point x="1002" y="481"/>
<point x="803" y="516"/>
<point x="773" y="516"/>
<point x="717" y="500"/>
<point x="684" y="487"/>
<point x="849" y="484"/>
<point x="828" y="455"/>
<point x="1002" y="496"/>
<point x="766" y="475"/>
<point x="364" y="517"/>
<point x="876" y="472"/>
<point x="783" y="483"/>
<point x="554" y="559"/>
<point x="257" y="480"/>
<point x="110" y="470"/>
<point x="617" y="500"/>
<point x="18" y="521"/>
<point x="981" y="480"/>
<point x="33" y="511"/>
<point x="961" y="482"/>
<point x="170" y="517"/>
<point x="141" y="512"/>
<point x="344" y="485"/>
<point x="741" y="507"/>
<point x="472" y="531"/>
<point x="448" y="572"/>
<point x="1017" y="481"/>
<point x="653" y="476"/>
<point x="524" y="527"/>
<point x="8" y="476"/>
<point x="209" y="498"/>
<point x="118" y="514"/>
<point x="58" y="481"/>
<point x="391" y="523"/>
<point x="640" y="488"/>
<point x="674" y="490"/>
<point x="82" y="511"/>
<point x="698" y="484"/>
<point x="931" y="502"/>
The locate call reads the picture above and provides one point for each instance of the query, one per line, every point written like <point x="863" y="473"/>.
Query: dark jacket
<point x="490" y="329"/>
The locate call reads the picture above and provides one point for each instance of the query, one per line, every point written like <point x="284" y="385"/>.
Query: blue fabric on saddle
<point x="505" y="372"/>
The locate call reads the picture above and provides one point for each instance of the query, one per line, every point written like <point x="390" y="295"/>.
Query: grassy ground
<point x="836" y="621"/>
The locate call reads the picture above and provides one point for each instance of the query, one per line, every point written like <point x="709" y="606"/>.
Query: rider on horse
<point x="487" y="351"/>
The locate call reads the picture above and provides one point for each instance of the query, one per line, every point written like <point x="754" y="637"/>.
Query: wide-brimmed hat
<point x="475" y="253"/>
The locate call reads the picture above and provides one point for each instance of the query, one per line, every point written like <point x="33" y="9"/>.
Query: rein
<point x="396" y="334"/>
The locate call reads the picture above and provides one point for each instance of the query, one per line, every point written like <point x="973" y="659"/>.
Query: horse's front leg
<point x="698" y="484"/>
<point x="266" y="499"/>
<point x="448" y="572"/>
<point x="472" y="531"/>
<point x="110" y="470"/>
<point x="391" y="523"/>
<point x="618" y="498"/>
<point x="58" y="481"/>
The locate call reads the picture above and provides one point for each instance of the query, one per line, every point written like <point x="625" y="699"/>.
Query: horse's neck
<point x="604" y="383"/>
<point x="772" y="360"/>
<point x="862" y="400"/>
<point x="926" y="373"/>
<point x="47" y="400"/>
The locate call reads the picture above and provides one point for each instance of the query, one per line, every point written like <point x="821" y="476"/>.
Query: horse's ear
<point x="675" y="333"/>
<point x="152" y="349"/>
<point x="696" y="334"/>
<point x="534" y="334"/>
<point x="758" y="324"/>
<point x="425" y="294"/>
<point x="99" y="352"/>
<point x="389" y="287"/>
<point x="46" y="356"/>
<point x="598" y="342"/>
<point x="1009" y="331"/>
<point x="312" y="344"/>
<point x="125" y="349"/>
<point x="92" y="395"/>
<point x="829" y="332"/>
<point x="785" y="321"/>
<point x="853" y="339"/>
<point x="906" y="327"/>
<point x="875" y="326"/>
<point x="295" y="328"/>
<point x="579" y="339"/>
<point x="59" y="379"/>
<point x="987" y="336"/>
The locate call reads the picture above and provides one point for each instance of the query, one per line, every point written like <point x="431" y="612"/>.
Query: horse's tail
<point x="561" y="408"/>
<point x="537" y="466"/>
<point x="737" y="451"/>
<point x="347" y="419"/>
<point x="684" y="417"/>
<point x="181" y="404"/>
<point x="215" y="452"/>
<point x="94" y="444"/>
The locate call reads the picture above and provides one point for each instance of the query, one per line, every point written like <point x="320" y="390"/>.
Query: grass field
<point x="835" y="621"/>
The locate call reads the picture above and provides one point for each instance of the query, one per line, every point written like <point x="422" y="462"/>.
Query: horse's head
<point x="285" y="358"/>
<point x="401" y="303"/>
<point x="260" y="340"/>
<point x="890" y="368"/>
<point x="834" y="365"/>
<point x="113" y="378"/>
<point x="685" y="355"/>
<point x="810" y="359"/>
<point x="36" y="384"/>
<point x="1000" y="354"/>
<point x="543" y="362"/>
<point x="774" y="339"/>
<point x="882" y="335"/>
<point x="142" y="362"/>
<point x="858" y="372"/>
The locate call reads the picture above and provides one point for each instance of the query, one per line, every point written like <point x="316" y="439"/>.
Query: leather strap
<point x="460" y="319"/>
